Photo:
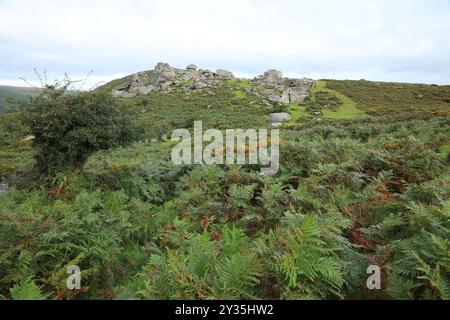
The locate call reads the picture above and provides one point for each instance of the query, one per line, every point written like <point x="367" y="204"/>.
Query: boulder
<point x="30" y="137"/>
<point x="224" y="74"/>
<point x="165" y="86"/>
<point x="283" y="90"/>
<point x="4" y="187"/>
<point x="271" y="77"/>
<point x="280" y="117"/>
<point x="190" y="75"/>
<point x="274" y="74"/>
<point x="208" y="74"/>
<point x="277" y="125"/>
<point x="199" y="85"/>
<point x="165" y="73"/>
<point x="137" y="80"/>
<point x="191" y="67"/>
<point x="274" y="98"/>
<point x="144" y="90"/>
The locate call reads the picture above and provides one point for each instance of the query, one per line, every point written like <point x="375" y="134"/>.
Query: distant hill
<point x="15" y="93"/>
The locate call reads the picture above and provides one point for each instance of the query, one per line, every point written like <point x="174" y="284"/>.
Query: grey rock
<point x="276" y="74"/>
<point x="165" y="86"/>
<point x="280" y="117"/>
<point x="191" y="67"/>
<point x="199" y="85"/>
<point x="144" y="90"/>
<point x="165" y="73"/>
<point x="190" y="75"/>
<point x="137" y="80"/>
<point x="29" y="138"/>
<point x="4" y="187"/>
<point x="274" y="98"/>
<point x="275" y="88"/>
<point x="271" y="77"/>
<point x="283" y="90"/>
<point x="122" y="94"/>
<point x="207" y="74"/>
<point x="276" y="125"/>
<point x="224" y="74"/>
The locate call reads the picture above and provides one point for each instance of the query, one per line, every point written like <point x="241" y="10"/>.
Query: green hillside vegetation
<point x="325" y="103"/>
<point x="220" y="108"/>
<point x="380" y="97"/>
<point x="369" y="184"/>
<point x="14" y="93"/>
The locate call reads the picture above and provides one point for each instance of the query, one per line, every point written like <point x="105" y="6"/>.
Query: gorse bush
<point x="70" y="126"/>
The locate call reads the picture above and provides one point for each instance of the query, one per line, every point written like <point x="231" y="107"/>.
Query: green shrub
<point x="70" y="126"/>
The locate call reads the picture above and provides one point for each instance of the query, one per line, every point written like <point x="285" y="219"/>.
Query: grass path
<point x="348" y="110"/>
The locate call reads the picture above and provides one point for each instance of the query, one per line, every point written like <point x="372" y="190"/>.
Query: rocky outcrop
<point x="164" y="78"/>
<point x="278" y="89"/>
<point x="223" y="74"/>
<point x="272" y="86"/>
<point x="191" y="67"/>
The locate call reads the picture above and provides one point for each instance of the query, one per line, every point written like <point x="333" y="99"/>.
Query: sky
<point x="384" y="40"/>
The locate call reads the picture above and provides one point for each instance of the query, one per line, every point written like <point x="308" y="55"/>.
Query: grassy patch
<point x="297" y="112"/>
<point x="347" y="107"/>
<point x="242" y="83"/>
<point x="239" y="94"/>
<point x="348" y="110"/>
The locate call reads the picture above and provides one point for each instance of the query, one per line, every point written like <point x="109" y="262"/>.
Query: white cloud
<point x="383" y="40"/>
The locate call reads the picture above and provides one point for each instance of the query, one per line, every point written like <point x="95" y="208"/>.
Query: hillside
<point x="14" y="93"/>
<point x="364" y="180"/>
<point x="379" y="97"/>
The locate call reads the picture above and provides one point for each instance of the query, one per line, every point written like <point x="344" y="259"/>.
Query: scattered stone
<point x="29" y="138"/>
<point x="276" y="125"/>
<point x="280" y="117"/>
<point x="4" y="187"/>
<point x="199" y="85"/>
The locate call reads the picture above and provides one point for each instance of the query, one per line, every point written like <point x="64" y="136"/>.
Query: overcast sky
<point x="390" y="40"/>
